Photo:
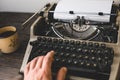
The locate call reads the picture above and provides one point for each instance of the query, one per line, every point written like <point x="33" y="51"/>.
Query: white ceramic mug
<point x="9" y="41"/>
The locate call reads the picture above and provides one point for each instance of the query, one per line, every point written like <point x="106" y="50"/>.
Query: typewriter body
<point x="89" y="40"/>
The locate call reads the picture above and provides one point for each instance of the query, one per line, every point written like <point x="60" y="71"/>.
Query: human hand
<point x="40" y="68"/>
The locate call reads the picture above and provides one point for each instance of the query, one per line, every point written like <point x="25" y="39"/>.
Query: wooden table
<point x="11" y="63"/>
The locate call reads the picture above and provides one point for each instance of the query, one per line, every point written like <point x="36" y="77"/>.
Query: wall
<point x="22" y="5"/>
<point x="25" y="5"/>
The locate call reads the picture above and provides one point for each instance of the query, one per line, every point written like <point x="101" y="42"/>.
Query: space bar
<point x="83" y="72"/>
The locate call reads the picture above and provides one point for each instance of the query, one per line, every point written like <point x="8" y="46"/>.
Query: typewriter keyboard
<point x="84" y="59"/>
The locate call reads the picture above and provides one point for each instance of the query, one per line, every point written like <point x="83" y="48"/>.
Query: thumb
<point x="62" y="73"/>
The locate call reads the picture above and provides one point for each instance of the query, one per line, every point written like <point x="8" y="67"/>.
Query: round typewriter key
<point x="90" y="44"/>
<point x="60" y="40"/>
<point x="86" y="57"/>
<point x="55" y="47"/>
<point x="67" y="54"/>
<point x="44" y="38"/>
<point x="73" y="56"/>
<point x="33" y="43"/>
<point x="44" y="52"/>
<point x="63" y="60"/>
<point x="57" y="59"/>
<point x="92" y="51"/>
<point x="69" y="61"/>
<point x="66" y="41"/>
<point x="67" y="48"/>
<point x="38" y="38"/>
<point x="61" y="47"/>
<point x="77" y="42"/>
<point x="49" y="39"/>
<point x="61" y="54"/>
<point x="85" y="50"/>
<point x="50" y="46"/>
<point x="73" y="48"/>
<point x="99" y="58"/>
<point x="93" y="58"/>
<point x="94" y="65"/>
<point x="106" y="57"/>
<point x="84" y="43"/>
<point x="82" y="63"/>
<point x="71" y="41"/>
<point x="79" y="49"/>
<point x="103" y="45"/>
<point x="55" y="40"/>
<point x="99" y="52"/>
<point x="75" y="62"/>
<point x="88" y="64"/>
<point x="96" y="44"/>
<point x="79" y="56"/>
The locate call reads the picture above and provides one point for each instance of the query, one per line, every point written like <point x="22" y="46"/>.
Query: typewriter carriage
<point x="80" y="28"/>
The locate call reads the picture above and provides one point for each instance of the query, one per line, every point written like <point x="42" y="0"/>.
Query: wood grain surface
<point x="11" y="63"/>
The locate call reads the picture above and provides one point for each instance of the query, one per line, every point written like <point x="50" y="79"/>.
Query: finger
<point x="33" y="63"/>
<point x="48" y="59"/>
<point x="62" y="73"/>
<point x="46" y="67"/>
<point x="26" y="70"/>
<point x="47" y="62"/>
<point x="39" y="62"/>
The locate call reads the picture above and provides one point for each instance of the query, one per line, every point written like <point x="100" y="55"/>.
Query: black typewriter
<point x="89" y="49"/>
<point x="86" y="59"/>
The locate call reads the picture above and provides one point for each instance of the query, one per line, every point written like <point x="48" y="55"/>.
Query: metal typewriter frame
<point x="115" y="68"/>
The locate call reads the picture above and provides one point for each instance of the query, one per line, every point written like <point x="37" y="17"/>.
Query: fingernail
<point x="52" y="51"/>
<point x="65" y="69"/>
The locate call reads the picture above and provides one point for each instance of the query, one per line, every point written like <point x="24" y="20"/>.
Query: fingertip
<point x="65" y="69"/>
<point x="62" y="73"/>
<point x="48" y="59"/>
<point x="50" y="53"/>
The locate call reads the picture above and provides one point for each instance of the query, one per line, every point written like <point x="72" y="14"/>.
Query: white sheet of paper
<point x="87" y="8"/>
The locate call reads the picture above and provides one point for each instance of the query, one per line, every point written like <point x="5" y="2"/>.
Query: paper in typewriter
<point x="87" y="8"/>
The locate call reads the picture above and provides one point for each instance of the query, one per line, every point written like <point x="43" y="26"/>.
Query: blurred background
<point x="29" y="6"/>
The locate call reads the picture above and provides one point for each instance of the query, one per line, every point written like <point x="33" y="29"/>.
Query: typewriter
<point x="84" y="35"/>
